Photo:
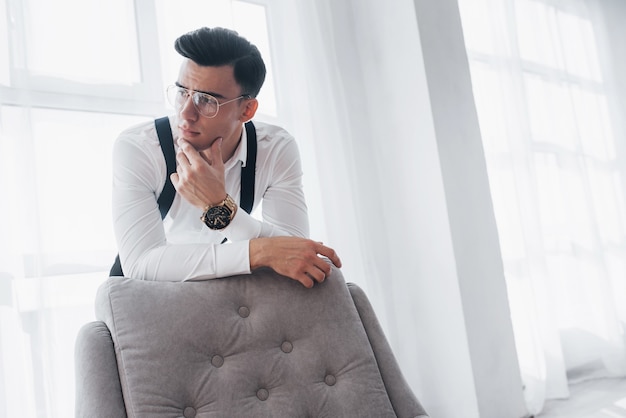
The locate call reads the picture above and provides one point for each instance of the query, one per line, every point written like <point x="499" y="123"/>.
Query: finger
<point x="213" y="153"/>
<point x="192" y="156"/>
<point x="322" y="265"/>
<point x="175" y="181"/>
<point x="329" y="253"/>
<point x="317" y="275"/>
<point x="216" y="152"/>
<point x="206" y="156"/>
<point x="305" y="280"/>
<point x="182" y="159"/>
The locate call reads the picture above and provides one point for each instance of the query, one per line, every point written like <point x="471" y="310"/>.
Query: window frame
<point x="30" y="90"/>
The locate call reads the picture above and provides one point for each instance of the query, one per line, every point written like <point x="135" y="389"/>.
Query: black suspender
<point x="246" y="200"/>
<point x="165" y="200"/>
<point x="164" y="132"/>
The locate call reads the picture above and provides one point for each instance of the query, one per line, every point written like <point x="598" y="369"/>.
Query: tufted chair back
<point x="257" y="345"/>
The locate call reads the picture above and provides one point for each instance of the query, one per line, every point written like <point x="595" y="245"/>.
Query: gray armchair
<point x="258" y="345"/>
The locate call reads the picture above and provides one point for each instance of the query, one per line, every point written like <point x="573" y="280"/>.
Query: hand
<point x="296" y="258"/>
<point x="199" y="176"/>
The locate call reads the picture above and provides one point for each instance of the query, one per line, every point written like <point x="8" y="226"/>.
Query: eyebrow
<point x="210" y="93"/>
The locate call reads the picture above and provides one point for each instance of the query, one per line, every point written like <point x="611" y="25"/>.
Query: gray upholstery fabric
<point x="258" y="345"/>
<point x="98" y="390"/>
<point x="404" y="402"/>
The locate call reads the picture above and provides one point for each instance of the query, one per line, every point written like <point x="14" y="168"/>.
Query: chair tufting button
<point x="217" y="361"/>
<point x="189" y="412"/>
<point x="262" y="394"/>
<point x="287" y="347"/>
<point x="330" y="380"/>
<point x="244" y="312"/>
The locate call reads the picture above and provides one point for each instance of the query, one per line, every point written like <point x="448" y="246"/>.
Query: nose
<point x="188" y="109"/>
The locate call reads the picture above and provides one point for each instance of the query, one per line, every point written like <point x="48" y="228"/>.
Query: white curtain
<point x="355" y="70"/>
<point x="544" y="81"/>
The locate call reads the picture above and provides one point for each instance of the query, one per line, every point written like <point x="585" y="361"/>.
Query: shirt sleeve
<point x="138" y="177"/>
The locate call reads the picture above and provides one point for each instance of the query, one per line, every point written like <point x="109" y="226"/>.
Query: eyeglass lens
<point x="205" y="104"/>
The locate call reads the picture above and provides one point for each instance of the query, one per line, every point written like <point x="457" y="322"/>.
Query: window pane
<point x="563" y="203"/>
<point x="97" y="45"/>
<point x="251" y="22"/>
<point x="551" y="113"/>
<point x="579" y="46"/>
<point x="603" y="195"/>
<point x="537" y="39"/>
<point x="4" y="45"/>
<point x="594" y="125"/>
<point x="479" y="34"/>
<point x="62" y="183"/>
<point x="73" y="157"/>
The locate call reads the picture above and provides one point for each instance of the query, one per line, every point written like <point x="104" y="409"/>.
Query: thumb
<point x="213" y="153"/>
<point x="174" y="179"/>
<point x="216" y="151"/>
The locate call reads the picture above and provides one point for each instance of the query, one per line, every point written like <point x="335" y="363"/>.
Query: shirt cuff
<point x="232" y="259"/>
<point x="243" y="227"/>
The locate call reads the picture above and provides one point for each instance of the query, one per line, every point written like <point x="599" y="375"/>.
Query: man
<point x="214" y="96"/>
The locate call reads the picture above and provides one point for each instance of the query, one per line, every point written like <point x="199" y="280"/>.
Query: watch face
<point x="217" y="217"/>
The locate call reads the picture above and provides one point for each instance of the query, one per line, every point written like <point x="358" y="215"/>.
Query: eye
<point x="181" y="93"/>
<point x="204" y="100"/>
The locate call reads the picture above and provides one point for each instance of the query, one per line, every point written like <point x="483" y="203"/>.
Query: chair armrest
<point x="98" y="388"/>
<point x="404" y="402"/>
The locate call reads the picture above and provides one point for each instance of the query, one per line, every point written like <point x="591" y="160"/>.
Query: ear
<point x="251" y="105"/>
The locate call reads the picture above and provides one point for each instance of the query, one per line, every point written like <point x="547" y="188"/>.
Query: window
<point x="542" y="97"/>
<point x="73" y="74"/>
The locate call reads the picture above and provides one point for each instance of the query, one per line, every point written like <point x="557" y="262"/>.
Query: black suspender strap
<point x="246" y="200"/>
<point x="166" y="198"/>
<point x="246" y="197"/>
<point x="164" y="131"/>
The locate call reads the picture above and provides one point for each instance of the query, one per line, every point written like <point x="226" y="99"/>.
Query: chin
<point x="198" y="144"/>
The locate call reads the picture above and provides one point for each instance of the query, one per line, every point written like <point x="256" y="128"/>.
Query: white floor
<point x="602" y="398"/>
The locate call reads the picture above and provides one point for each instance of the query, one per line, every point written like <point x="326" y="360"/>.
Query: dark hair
<point x="214" y="47"/>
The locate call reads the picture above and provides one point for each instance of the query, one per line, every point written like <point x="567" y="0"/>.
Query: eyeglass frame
<point x="190" y="94"/>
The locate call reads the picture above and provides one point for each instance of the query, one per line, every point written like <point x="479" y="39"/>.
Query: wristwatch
<point x="219" y="216"/>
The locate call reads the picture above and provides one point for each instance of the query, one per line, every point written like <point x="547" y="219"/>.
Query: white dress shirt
<point x="181" y="247"/>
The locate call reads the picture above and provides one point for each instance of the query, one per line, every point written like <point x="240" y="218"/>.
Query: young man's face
<point x="202" y="131"/>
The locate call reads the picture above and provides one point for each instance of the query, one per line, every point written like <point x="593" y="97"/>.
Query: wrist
<point x="217" y="202"/>
<point x="255" y="252"/>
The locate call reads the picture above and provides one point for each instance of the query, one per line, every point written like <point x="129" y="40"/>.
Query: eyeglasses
<point x="204" y="103"/>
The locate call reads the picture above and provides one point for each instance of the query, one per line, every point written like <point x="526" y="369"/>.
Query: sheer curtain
<point x="356" y="71"/>
<point x="544" y="82"/>
<point x="56" y="132"/>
